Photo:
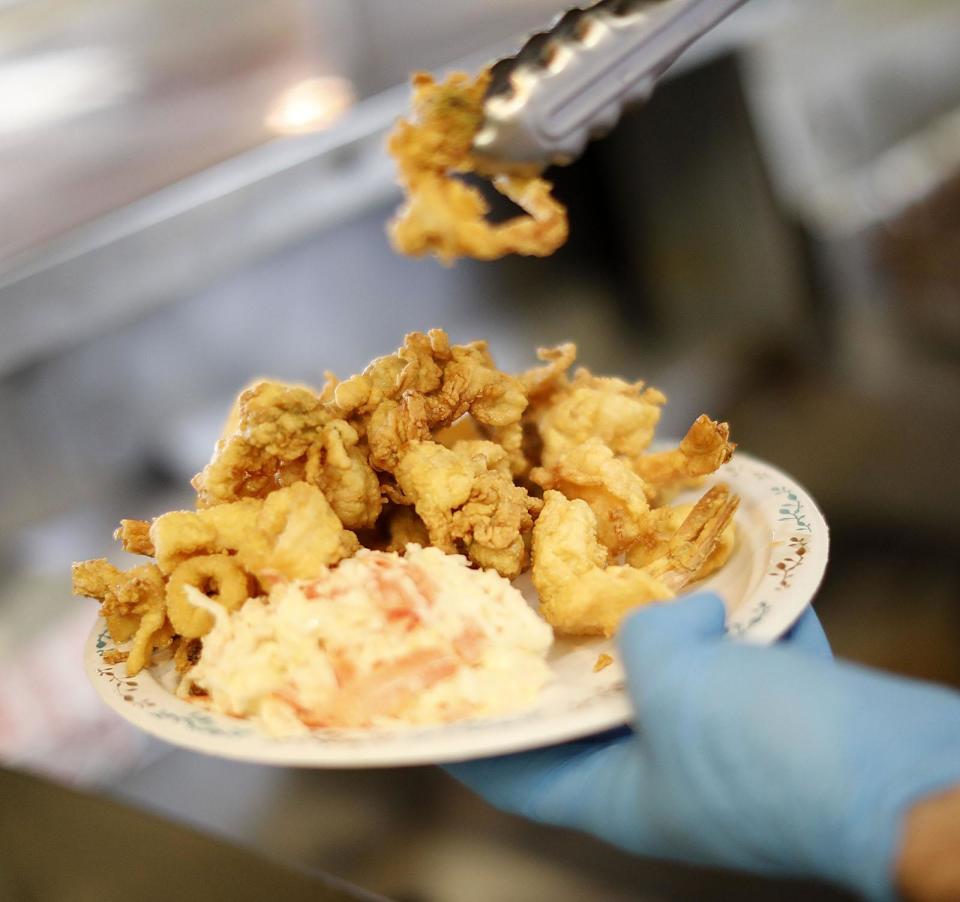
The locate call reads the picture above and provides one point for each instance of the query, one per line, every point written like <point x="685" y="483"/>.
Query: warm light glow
<point x="310" y="105"/>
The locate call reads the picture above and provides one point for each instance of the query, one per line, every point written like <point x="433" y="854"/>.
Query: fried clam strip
<point x="278" y="434"/>
<point x="132" y="602"/>
<point x="581" y="595"/>
<point x="616" y="495"/>
<point x="704" y="449"/>
<point x="444" y="216"/>
<point x="292" y="534"/>
<point x="620" y="414"/>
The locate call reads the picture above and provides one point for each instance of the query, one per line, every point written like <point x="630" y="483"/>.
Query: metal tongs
<point x="570" y="84"/>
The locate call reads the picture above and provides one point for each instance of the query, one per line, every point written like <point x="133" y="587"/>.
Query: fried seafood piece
<point x="581" y="595"/>
<point x="466" y="429"/>
<point x="472" y="384"/>
<point x="444" y="216"/>
<point x="269" y="432"/>
<point x="186" y="653"/>
<point x="393" y="426"/>
<point x="297" y="534"/>
<point x="217" y="577"/>
<point x="436" y="481"/>
<point x="661" y="527"/>
<point x="495" y="522"/>
<point x="179" y="535"/>
<point x="616" y="495"/>
<point x="703" y="450"/>
<point x="132" y="602"/>
<point x="278" y="434"/>
<point x="293" y="533"/>
<point x="510" y="438"/>
<point x="343" y="473"/>
<point x="424" y="387"/>
<point x="416" y="366"/>
<point x="623" y="415"/>
<point x="134" y="536"/>
<point x="541" y="382"/>
<point x="538" y="385"/>
<point x="468" y="501"/>
<point x="485" y="455"/>
<point x="697" y="540"/>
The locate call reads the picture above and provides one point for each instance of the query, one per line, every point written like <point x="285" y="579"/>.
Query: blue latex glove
<point x="776" y="760"/>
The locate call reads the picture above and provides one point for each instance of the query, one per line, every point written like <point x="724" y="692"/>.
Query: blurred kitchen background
<point x="194" y="194"/>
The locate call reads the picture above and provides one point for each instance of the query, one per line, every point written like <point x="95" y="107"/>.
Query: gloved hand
<point x="776" y="760"/>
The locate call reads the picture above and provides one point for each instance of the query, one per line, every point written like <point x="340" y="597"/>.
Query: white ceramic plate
<point x="779" y="560"/>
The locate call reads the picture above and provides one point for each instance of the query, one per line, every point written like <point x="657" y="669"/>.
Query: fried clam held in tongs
<point x="580" y="595"/>
<point x="443" y="215"/>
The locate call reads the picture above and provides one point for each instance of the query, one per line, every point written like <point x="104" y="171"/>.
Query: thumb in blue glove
<point x="775" y="760"/>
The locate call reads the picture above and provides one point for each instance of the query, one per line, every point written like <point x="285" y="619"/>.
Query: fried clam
<point x="444" y="216"/>
<point x="494" y="524"/>
<point x="581" y="595"/>
<point x="297" y="534"/>
<point x="473" y="384"/>
<point x="291" y="534"/>
<point x="425" y="387"/>
<point x="436" y="481"/>
<point x="416" y="366"/>
<point x="468" y="501"/>
<point x="179" y="535"/>
<point x="265" y="443"/>
<point x="278" y="434"/>
<point x="343" y="473"/>
<point x="616" y="494"/>
<point x="622" y="415"/>
<point x="133" y="603"/>
<point x="519" y="438"/>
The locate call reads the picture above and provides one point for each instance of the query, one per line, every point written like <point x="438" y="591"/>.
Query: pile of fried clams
<point x="430" y="445"/>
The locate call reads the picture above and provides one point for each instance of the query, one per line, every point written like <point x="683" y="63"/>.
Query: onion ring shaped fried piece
<point x="219" y="577"/>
